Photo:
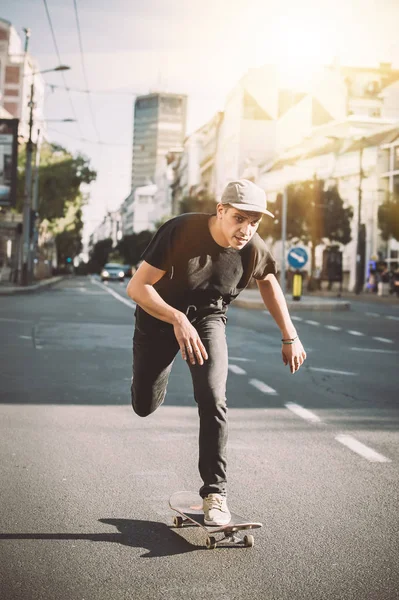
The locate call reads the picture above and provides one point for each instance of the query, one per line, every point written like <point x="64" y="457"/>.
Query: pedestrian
<point x="195" y="265"/>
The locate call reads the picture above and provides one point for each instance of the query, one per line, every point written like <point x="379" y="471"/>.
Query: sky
<point x="196" y="47"/>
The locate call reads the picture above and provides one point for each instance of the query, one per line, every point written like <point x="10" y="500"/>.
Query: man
<point x="195" y="265"/>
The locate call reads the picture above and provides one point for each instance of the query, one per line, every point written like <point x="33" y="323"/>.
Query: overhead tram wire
<point x="84" y="70"/>
<point x="60" y="62"/>
<point x="110" y="92"/>
<point x="86" y="141"/>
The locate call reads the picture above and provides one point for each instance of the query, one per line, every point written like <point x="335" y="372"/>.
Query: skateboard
<point x="188" y="505"/>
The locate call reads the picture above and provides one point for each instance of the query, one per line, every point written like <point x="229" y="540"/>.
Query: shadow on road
<point x="157" y="538"/>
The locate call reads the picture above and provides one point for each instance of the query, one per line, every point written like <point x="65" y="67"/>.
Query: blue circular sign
<point x="297" y="258"/>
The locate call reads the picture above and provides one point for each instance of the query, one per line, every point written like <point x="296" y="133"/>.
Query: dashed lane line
<point x="332" y="371"/>
<point x="361" y="449"/>
<point x="238" y="358"/>
<point x="237" y="370"/>
<point x="263" y="387"/>
<point x="377" y="350"/>
<point x="384" y="340"/>
<point x="333" y="327"/>
<point x="353" y="332"/>
<point x="295" y="318"/>
<point x="128" y="303"/>
<point x="304" y="413"/>
<point x="310" y="322"/>
<point x="392" y="318"/>
<point x="372" y="314"/>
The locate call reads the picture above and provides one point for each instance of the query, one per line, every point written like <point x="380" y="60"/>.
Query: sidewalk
<point x="251" y="298"/>
<point x="7" y="288"/>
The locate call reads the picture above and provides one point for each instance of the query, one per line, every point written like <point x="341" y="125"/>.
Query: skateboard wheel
<point x="210" y="542"/>
<point x="249" y="541"/>
<point x="178" y="521"/>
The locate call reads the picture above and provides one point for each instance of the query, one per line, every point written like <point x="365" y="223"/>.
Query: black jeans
<point x="153" y="356"/>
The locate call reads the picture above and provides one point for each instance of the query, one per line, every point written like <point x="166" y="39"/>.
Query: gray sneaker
<point x="215" y="510"/>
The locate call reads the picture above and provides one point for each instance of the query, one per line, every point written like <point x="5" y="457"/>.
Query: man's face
<point x="237" y="226"/>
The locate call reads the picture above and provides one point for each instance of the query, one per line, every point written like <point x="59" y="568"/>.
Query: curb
<point x="294" y="306"/>
<point x="8" y="291"/>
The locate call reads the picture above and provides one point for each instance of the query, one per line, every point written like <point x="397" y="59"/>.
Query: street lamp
<point x="26" y="227"/>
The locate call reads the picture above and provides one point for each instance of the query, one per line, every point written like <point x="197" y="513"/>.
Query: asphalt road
<point x="84" y="483"/>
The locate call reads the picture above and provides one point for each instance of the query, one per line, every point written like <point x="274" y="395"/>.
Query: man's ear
<point x="220" y="210"/>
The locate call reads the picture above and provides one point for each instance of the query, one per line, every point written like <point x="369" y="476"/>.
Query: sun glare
<point x="297" y="46"/>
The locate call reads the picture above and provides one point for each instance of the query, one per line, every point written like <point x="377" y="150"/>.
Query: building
<point x="18" y="73"/>
<point x="361" y="166"/>
<point x="159" y="124"/>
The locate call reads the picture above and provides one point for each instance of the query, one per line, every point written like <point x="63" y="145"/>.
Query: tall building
<point x="159" y="124"/>
<point x="18" y="72"/>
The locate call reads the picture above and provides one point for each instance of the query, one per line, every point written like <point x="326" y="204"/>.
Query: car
<point x="113" y="272"/>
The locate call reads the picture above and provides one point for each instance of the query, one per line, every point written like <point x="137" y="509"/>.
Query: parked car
<point x="113" y="272"/>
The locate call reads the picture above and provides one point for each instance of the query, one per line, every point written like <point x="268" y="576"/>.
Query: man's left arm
<point x="293" y="353"/>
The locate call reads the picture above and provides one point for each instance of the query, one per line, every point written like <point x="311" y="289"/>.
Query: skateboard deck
<point x="188" y="505"/>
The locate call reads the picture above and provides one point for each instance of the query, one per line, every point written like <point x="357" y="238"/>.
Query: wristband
<point x="290" y="341"/>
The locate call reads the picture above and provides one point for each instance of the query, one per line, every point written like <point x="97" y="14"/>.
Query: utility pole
<point x="283" y="237"/>
<point x="25" y="274"/>
<point x="359" y="241"/>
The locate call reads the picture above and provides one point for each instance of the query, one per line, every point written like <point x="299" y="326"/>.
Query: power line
<point x="60" y="62"/>
<point x="110" y="92"/>
<point x="84" y="69"/>
<point x="86" y="141"/>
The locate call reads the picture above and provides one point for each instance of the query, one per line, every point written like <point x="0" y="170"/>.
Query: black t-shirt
<point x="199" y="272"/>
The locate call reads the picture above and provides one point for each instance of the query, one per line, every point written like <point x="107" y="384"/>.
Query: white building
<point x="341" y="160"/>
<point x="18" y="72"/>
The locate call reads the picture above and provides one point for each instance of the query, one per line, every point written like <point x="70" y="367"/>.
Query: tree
<point x="314" y="215"/>
<point x="201" y="202"/>
<point x="131" y="247"/>
<point x="99" y="255"/>
<point x="61" y="176"/>
<point x="388" y="217"/>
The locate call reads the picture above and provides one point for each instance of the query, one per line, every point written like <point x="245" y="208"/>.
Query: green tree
<point x="200" y="202"/>
<point x="388" y="217"/>
<point x="314" y="215"/>
<point x="131" y="247"/>
<point x="60" y="198"/>
<point x="99" y="255"/>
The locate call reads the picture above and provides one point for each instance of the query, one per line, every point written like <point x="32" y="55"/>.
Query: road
<point x="84" y="483"/>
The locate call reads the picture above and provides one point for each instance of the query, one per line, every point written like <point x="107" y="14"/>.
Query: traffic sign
<point x="297" y="258"/>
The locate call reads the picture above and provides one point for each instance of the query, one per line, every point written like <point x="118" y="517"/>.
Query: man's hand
<point x="293" y="355"/>
<point x="191" y="347"/>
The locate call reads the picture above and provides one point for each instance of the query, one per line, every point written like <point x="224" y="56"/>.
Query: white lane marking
<point x="310" y="322"/>
<point x="128" y="303"/>
<point x="375" y="350"/>
<point x="303" y="412"/>
<point x="262" y="387"/>
<point x="332" y="371"/>
<point x="392" y="318"/>
<point x="14" y="320"/>
<point x="25" y="337"/>
<point x="237" y="370"/>
<point x="381" y="339"/>
<point x="266" y="312"/>
<point x="362" y="449"/>
<point x="333" y="327"/>
<point x="295" y="318"/>
<point x="352" y="332"/>
<point x="241" y="359"/>
<point x="372" y="314"/>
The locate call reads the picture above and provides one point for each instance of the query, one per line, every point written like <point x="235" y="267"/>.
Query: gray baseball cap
<point x="245" y="195"/>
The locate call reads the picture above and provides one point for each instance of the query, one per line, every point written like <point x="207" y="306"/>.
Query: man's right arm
<point x="141" y="289"/>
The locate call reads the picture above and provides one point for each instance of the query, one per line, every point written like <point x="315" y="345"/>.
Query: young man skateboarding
<point x="195" y="265"/>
